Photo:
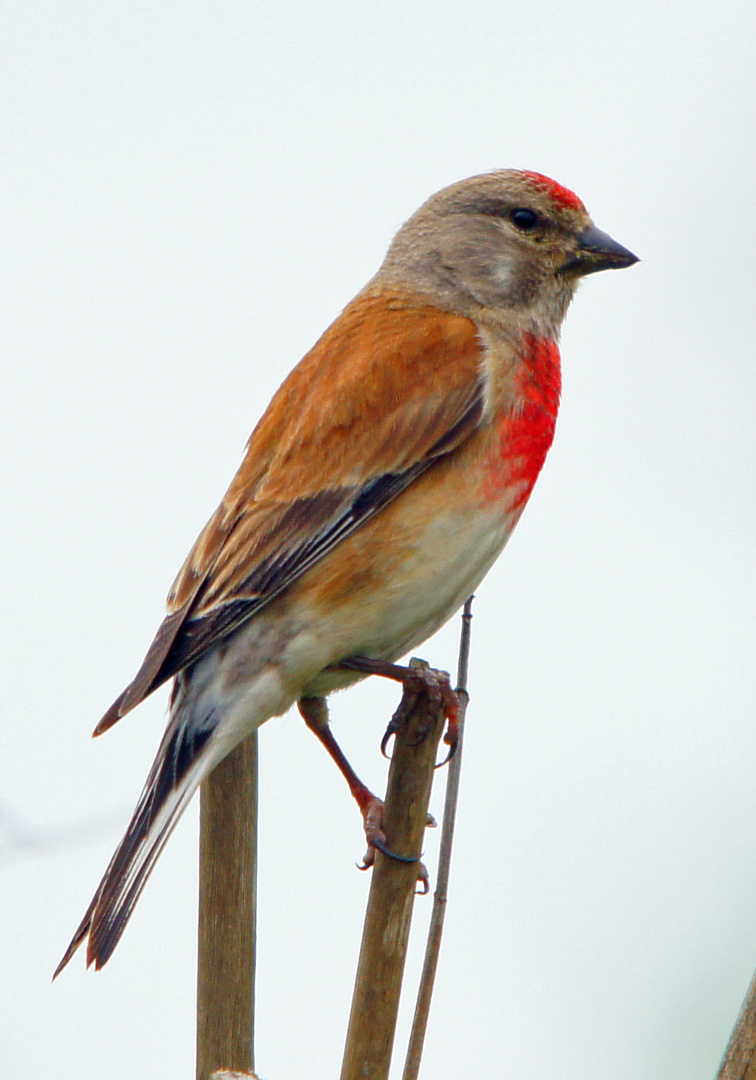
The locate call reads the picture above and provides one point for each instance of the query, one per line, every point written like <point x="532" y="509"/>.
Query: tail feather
<point x="78" y="938"/>
<point x="136" y="859"/>
<point x="184" y="759"/>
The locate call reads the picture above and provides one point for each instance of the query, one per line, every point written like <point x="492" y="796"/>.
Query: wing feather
<point x="390" y="387"/>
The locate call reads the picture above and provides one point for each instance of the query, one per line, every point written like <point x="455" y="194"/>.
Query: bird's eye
<point x="525" y="220"/>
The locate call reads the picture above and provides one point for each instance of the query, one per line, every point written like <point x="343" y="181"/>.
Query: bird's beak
<point x="596" y="251"/>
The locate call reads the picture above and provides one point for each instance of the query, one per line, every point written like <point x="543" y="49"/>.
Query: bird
<point x="376" y="491"/>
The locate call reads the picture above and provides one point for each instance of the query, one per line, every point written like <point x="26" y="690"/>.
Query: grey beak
<point x="597" y="251"/>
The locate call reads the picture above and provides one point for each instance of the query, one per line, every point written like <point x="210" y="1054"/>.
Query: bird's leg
<point x="415" y="680"/>
<point x="314" y="712"/>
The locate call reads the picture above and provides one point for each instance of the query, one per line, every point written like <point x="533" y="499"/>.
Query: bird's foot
<point x="416" y="679"/>
<point x="371" y="808"/>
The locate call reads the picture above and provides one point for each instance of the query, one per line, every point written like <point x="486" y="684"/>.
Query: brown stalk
<point x="227" y="909"/>
<point x="375" y="1002"/>
<point x="739" y="1061"/>
<point x="440" y="896"/>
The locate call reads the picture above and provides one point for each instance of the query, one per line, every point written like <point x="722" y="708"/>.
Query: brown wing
<point x="391" y="386"/>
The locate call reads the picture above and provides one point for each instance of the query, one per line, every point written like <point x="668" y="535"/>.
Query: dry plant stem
<point x="226" y="1074"/>
<point x="227" y="908"/>
<point x="740" y="1056"/>
<point x="436" y="927"/>
<point x="375" y="1003"/>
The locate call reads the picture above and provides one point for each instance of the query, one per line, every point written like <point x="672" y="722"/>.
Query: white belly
<point x="445" y="566"/>
<point x="283" y="652"/>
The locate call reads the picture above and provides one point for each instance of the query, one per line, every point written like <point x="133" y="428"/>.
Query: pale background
<point x="190" y="193"/>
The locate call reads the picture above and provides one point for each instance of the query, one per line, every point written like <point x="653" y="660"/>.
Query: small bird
<point x="380" y="485"/>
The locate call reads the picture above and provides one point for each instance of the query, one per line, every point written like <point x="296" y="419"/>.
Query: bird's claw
<point x="416" y="679"/>
<point x="372" y="813"/>
<point x="398" y="721"/>
<point x="437" y="685"/>
<point x="422" y="871"/>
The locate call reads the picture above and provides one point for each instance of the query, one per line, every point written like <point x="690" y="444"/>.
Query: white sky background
<point x="191" y="192"/>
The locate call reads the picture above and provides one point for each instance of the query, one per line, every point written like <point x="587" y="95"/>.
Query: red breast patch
<point x="525" y="433"/>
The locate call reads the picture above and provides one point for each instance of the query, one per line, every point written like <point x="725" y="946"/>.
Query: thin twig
<point x="228" y="892"/>
<point x="375" y="1003"/>
<point x="739" y="1061"/>
<point x="436" y="927"/>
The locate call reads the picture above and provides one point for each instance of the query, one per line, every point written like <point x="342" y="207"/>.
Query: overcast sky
<point x="190" y="194"/>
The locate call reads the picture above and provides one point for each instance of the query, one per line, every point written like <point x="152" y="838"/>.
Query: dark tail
<point x="184" y="759"/>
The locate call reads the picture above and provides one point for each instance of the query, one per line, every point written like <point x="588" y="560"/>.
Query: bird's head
<point x="504" y="240"/>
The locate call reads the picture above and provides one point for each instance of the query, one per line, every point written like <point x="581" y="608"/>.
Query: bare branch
<point x="375" y="1004"/>
<point x="740" y="1056"/>
<point x="227" y="910"/>
<point x="440" y="896"/>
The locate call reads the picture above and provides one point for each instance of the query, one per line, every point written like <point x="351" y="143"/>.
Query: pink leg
<point x="315" y="714"/>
